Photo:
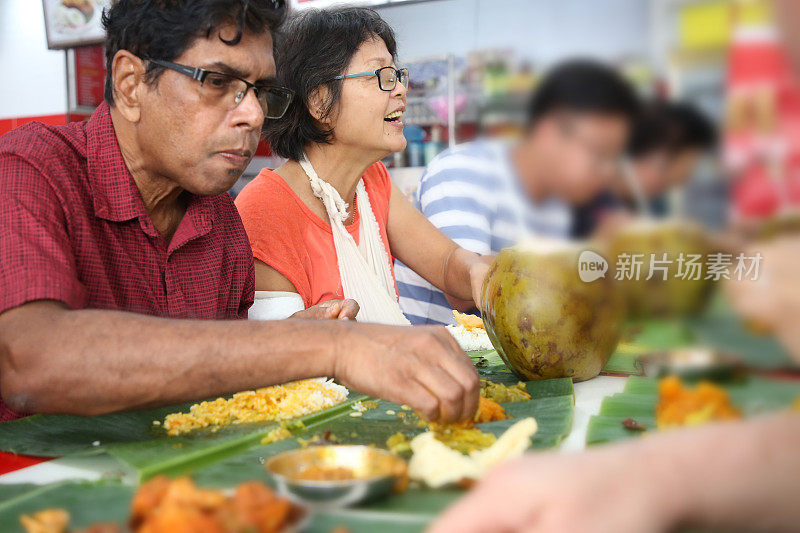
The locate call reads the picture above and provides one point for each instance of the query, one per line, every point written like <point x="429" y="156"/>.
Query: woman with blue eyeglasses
<point x="326" y="226"/>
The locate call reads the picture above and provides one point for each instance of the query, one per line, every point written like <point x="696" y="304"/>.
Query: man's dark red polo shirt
<point x="73" y="228"/>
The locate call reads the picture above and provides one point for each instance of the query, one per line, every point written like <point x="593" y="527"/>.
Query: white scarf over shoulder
<point x="364" y="269"/>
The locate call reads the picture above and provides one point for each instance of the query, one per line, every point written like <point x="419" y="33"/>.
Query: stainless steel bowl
<point x="694" y="362"/>
<point x="376" y="473"/>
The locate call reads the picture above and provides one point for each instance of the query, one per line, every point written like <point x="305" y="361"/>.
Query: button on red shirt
<point x="73" y="228"/>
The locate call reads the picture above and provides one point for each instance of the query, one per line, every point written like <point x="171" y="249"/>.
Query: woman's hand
<point x="332" y="309"/>
<point x="477" y="274"/>
<point x="455" y="271"/>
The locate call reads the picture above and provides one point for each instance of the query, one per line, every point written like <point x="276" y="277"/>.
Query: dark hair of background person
<point x="583" y="86"/>
<point x="671" y="126"/>
<point x="314" y="47"/>
<point x="165" y="29"/>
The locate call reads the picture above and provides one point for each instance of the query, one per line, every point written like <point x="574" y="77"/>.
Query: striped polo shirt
<point x="473" y="195"/>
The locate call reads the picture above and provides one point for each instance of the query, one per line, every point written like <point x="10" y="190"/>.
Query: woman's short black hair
<point x="583" y="86"/>
<point x="314" y="47"/>
<point x="165" y="29"/>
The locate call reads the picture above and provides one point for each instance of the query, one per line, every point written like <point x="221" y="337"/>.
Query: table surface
<point x="588" y="396"/>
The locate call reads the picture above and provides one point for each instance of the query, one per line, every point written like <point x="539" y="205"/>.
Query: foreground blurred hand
<point x="683" y="478"/>
<point x="557" y="493"/>
<point x="332" y="309"/>
<point x="420" y="366"/>
<point x="772" y="301"/>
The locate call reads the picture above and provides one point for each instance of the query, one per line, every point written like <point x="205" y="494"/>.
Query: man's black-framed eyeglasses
<point x="387" y="77"/>
<point x="227" y="91"/>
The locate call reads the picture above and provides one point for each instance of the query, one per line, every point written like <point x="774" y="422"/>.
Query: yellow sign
<point x="705" y="25"/>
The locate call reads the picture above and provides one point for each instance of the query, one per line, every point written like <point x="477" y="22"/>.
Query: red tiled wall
<point x="8" y="124"/>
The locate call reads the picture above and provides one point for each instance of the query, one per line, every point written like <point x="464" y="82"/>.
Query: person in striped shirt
<point x="489" y="194"/>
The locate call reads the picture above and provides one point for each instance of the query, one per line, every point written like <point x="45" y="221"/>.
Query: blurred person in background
<point x="666" y="143"/>
<point x="488" y="195"/>
<point x="731" y="476"/>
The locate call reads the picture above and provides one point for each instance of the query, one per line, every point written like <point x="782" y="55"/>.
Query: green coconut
<point x="780" y="225"/>
<point x="544" y="321"/>
<point x="685" y="291"/>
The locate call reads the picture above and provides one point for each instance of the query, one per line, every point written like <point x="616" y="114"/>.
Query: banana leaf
<point x="645" y="336"/>
<point x="622" y="362"/>
<point x="87" y="502"/>
<point x="718" y="328"/>
<point x="727" y="333"/>
<point x="109" y="502"/>
<point x="752" y="395"/>
<point x="365" y="522"/>
<point x="132" y="437"/>
<point x="143" y="448"/>
<point x="551" y="404"/>
<point x="409" y="512"/>
<point x="491" y="366"/>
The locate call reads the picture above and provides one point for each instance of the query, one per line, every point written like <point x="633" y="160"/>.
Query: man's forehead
<point x="251" y="55"/>
<point x="593" y="118"/>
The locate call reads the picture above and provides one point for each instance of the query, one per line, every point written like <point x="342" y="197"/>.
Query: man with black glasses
<point x="119" y="242"/>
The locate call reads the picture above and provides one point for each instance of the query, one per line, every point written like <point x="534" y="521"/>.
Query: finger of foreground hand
<point x="460" y="367"/>
<point x="473" y="513"/>
<point x="333" y="309"/>
<point x="349" y="310"/>
<point x="420" y="399"/>
<point x="449" y="393"/>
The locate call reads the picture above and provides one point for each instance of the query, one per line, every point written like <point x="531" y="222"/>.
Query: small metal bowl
<point x="695" y="362"/>
<point x="376" y="473"/>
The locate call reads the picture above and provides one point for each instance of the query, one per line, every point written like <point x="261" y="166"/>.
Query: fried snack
<point x="47" y="521"/>
<point x="174" y="506"/>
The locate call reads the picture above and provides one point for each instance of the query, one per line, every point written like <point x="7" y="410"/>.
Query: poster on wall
<point x="90" y="76"/>
<point x="71" y="23"/>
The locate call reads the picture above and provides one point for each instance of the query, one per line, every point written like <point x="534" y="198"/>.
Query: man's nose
<point x="249" y="111"/>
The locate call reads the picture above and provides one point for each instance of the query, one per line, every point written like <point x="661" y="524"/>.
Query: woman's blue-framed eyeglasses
<point x="387" y="77"/>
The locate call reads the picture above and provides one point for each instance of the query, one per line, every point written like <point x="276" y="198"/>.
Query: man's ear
<point x="128" y="82"/>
